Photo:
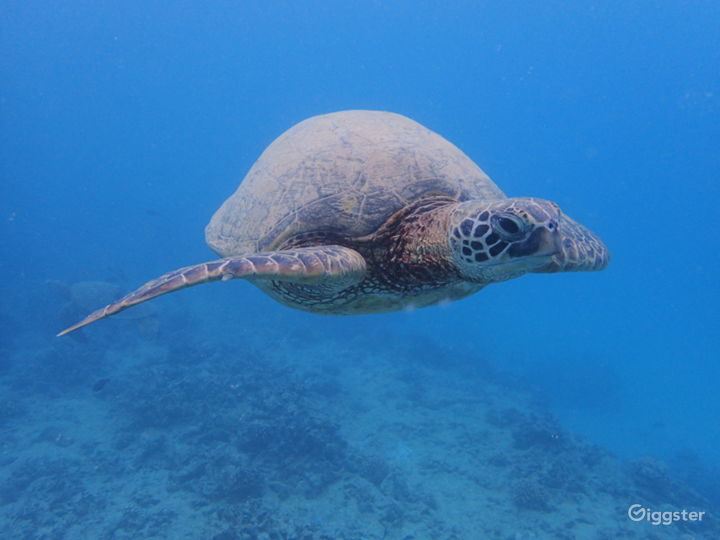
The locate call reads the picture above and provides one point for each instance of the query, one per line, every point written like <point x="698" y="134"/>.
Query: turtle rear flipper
<point x="332" y="267"/>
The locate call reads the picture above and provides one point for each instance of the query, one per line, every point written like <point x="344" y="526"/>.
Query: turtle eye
<point x="509" y="225"/>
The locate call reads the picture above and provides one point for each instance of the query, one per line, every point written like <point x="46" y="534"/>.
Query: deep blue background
<point x="124" y="126"/>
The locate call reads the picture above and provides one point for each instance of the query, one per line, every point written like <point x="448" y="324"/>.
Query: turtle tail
<point x="334" y="266"/>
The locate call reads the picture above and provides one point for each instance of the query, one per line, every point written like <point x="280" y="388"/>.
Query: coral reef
<point x="140" y="438"/>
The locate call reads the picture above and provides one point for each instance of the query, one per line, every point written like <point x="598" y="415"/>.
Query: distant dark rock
<point x="652" y="476"/>
<point x="504" y="418"/>
<point x="371" y="468"/>
<point x="99" y="384"/>
<point x="540" y="433"/>
<point x="527" y="495"/>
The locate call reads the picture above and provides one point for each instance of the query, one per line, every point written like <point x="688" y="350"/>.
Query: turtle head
<point x="501" y="240"/>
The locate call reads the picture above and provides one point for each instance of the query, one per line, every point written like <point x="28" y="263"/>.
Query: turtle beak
<point x="577" y="249"/>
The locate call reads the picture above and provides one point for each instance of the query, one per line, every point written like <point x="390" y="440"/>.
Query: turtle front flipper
<point x="332" y="267"/>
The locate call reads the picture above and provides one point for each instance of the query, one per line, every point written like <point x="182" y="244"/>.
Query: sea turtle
<point x="367" y="212"/>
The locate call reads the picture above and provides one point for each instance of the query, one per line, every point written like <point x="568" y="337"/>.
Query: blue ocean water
<point x="125" y="125"/>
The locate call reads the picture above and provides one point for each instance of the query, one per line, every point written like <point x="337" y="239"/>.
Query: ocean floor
<point x="278" y="434"/>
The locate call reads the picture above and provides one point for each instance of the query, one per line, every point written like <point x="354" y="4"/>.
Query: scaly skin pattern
<point x="501" y="240"/>
<point x="409" y="265"/>
<point x="332" y="267"/>
<point x="438" y="250"/>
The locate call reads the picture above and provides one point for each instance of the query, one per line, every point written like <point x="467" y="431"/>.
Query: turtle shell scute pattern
<point x="344" y="173"/>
